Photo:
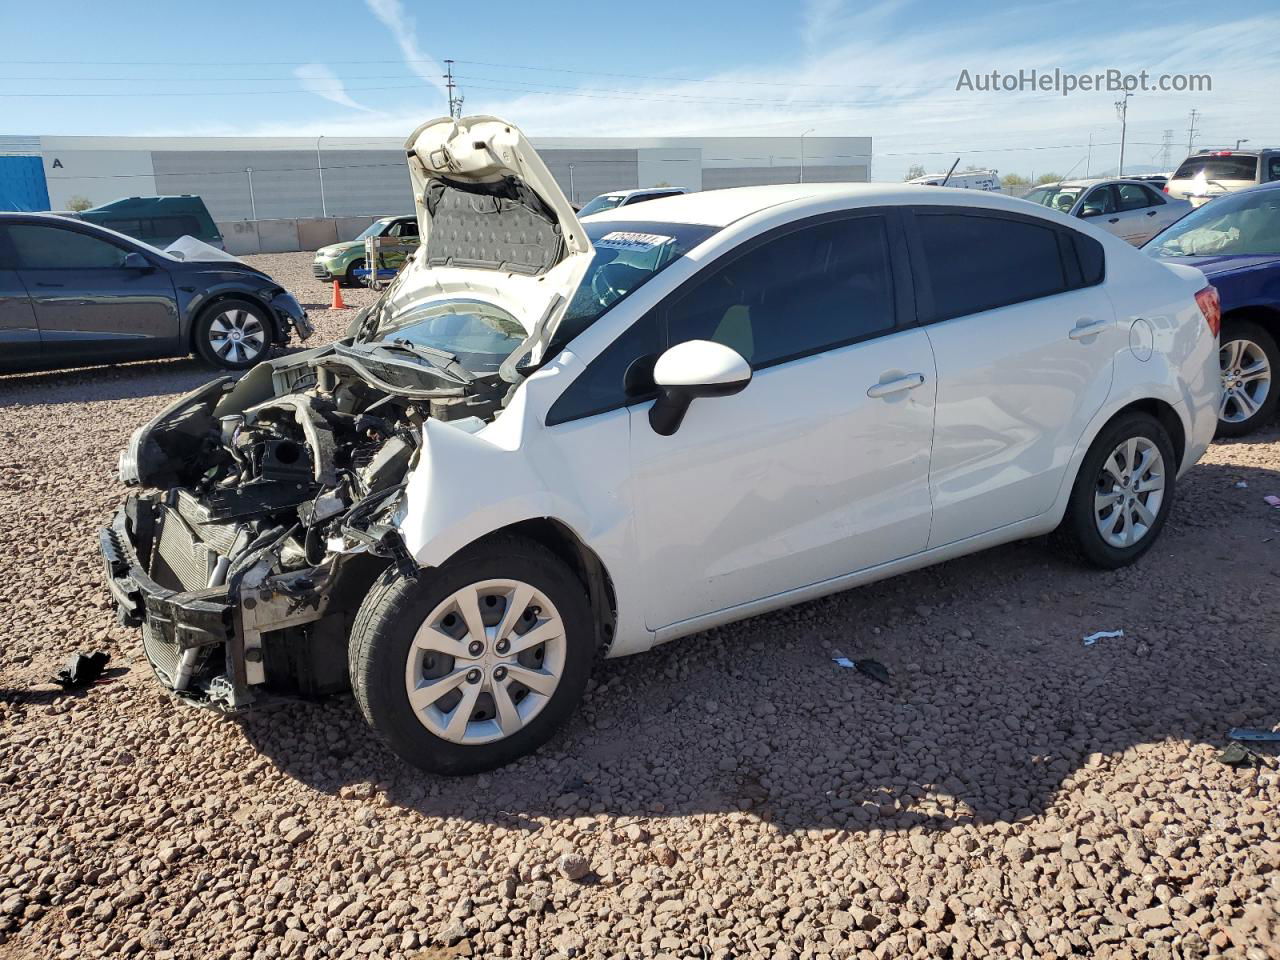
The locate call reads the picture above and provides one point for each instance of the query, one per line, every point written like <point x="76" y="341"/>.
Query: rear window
<point x="604" y="202"/>
<point x="1011" y="261"/>
<point x="1235" y="167"/>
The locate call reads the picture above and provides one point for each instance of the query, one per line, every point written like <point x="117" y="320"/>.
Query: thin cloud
<point x="318" y="79"/>
<point x="396" y="19"/>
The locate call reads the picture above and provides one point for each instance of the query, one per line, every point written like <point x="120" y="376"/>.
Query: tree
<point x="1048" y="178"/>
<point x="914" y="171"/>
<point x="78" y="203"/>
<point x="1014" y="180"/>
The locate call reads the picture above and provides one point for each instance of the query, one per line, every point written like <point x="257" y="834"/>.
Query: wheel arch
<point x="277" y="335"/>
<point x="561" y="540"/>
<point x="1264" y="314"/>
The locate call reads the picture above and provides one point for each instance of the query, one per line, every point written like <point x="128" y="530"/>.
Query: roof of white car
<point x="718" y="208"/>
<point x="1092" y="182"/>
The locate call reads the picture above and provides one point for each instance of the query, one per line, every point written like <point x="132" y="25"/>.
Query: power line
<point x="477" y="63"/>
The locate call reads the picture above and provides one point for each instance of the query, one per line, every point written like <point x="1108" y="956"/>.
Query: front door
<point x="819" y="468"/>
<point x="19" y="334"/>
<point x="89" y="306"/>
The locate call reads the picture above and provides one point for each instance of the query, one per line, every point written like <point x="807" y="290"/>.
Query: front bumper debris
<point x="204" y="645"/>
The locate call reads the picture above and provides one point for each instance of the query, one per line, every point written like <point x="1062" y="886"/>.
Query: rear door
<point x="1023" y="337"/>
<point x="1139" y="212"/>
<point x="88" y="305"/>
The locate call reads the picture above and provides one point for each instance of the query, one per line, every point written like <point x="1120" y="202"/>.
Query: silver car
<point x="1132" y="210"/>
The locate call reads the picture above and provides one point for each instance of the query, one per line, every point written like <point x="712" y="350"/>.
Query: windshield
<point x="1237" y="224"/>
<point x="605" y="201"/>
<point x="1234" y="167"/>
<point x="375" y="229"/>
<point x="628" y="253"/>
<point x="1058" y="198"/>
<point x="479" y="334"/>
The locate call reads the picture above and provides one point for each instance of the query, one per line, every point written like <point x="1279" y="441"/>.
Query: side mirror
<point x="135" y="261"/>
<point x="1090" y="212"/>
<point x="695" y="368"/>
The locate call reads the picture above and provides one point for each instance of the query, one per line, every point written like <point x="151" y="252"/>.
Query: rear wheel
<point x="1248" y="358"/>
<point x="1123" y="492"/>
<point x="233" y="334"/>
<point x="476" y="663"/>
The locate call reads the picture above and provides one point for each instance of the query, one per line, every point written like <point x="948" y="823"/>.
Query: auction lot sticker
<point x="638" y="242"/>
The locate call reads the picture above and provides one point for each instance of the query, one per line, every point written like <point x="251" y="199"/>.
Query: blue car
<point x="1235" y="240"/>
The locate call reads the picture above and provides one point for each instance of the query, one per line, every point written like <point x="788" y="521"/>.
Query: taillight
<point x="1165" y="188"/>
<point x="1209" y="304"/>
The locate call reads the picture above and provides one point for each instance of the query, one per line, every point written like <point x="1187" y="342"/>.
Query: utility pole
<point x="1088" y="157"/>
<point x="324" y="207"/>
<point x="1240" y="141"/>
<point x="802" y="136"/>
<point x="573" y="193"/>
<point x="1122" y="112"/>
<point x="1191" y="131"/>
<point x="455" y="102"/>
<point x="253" y="204"/>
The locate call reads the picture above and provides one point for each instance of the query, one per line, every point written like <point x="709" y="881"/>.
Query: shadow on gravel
<point x="130" y="381"/>
<point x="44" y="693"/>
<point x="995" y="700"/>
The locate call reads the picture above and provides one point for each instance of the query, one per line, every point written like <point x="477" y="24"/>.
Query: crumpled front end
<point x="265" y="514"/>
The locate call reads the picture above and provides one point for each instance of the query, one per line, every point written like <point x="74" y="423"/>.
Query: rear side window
<point x="52" y="248"/>
<point x="1132" y="196"/>
<point x="800" y="293"/>
<point x="1092" y="259"/>
<point x="977" y="262"/>
<point x="1234" y="167"/>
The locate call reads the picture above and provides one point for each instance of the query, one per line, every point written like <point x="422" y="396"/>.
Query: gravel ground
<point x="1012" y="793"/>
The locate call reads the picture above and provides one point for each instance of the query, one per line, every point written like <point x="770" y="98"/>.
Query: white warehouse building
<point x="262" y="178"/>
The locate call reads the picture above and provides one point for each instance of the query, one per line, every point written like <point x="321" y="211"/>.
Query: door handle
<point x="1151" y="213"/>
<point x="1114" y="220"/>
<point x="1087" y="329"/>
<point x="58" y="285"/>
<point x="909" y="382"/>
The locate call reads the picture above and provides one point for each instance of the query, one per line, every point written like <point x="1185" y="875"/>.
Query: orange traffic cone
<point x="338" y="303"/>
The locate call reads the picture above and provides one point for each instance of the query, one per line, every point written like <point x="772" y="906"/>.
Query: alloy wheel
<point x="485" y="662"/>
<point x="1129" y="491"/>
<point x="237" y="335"/>
<point x="1246" y="380"/>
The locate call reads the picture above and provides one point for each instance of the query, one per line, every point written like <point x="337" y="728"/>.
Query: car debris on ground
<point x="81" y="670"/>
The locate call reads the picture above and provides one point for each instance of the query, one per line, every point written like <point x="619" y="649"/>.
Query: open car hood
<point x="493" y="221"/>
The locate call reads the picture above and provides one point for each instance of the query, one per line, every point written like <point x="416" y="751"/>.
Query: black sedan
<point x="72" y="293"/>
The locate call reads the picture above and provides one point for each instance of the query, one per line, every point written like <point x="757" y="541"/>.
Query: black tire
<point x="217" y="350"/>
<point x="1079" y="524"/>
<point x="396" y="607"/>
<point x="349" y="279"/>
<point x="1248" y="330"/>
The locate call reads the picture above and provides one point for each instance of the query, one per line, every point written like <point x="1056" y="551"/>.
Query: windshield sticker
<point x="621" y="240"/>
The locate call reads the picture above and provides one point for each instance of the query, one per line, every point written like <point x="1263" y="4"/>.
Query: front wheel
<point x="475" y="663"/>
<point x="350" y="279"/>
<point x="1248" y="358"/>
<point x="1123" y="492"/>
<point x="233" y="334"/>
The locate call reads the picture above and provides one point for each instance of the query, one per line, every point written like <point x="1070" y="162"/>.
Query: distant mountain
<point x="1130" y="169"/>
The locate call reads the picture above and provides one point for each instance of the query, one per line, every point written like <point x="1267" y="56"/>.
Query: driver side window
<point x="1100" y="200"/>
<point x="54" y="248"/>
<point x="806" y="291"/>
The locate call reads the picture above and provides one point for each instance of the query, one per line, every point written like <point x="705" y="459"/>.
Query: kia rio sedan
<point x="552" y="441"/>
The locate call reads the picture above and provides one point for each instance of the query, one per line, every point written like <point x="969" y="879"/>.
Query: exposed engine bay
<point x="271" y="513"/>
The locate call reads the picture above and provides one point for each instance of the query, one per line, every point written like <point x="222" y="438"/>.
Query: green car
<point x="339" y="261"/>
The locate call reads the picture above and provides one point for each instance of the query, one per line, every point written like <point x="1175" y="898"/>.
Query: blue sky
<point x="887" y="70"/>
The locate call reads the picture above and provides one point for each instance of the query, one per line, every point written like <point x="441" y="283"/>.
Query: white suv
<point x="550" y="442"/>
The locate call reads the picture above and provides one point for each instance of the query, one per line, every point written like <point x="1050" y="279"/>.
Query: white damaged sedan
<point x="552" y="441"/>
